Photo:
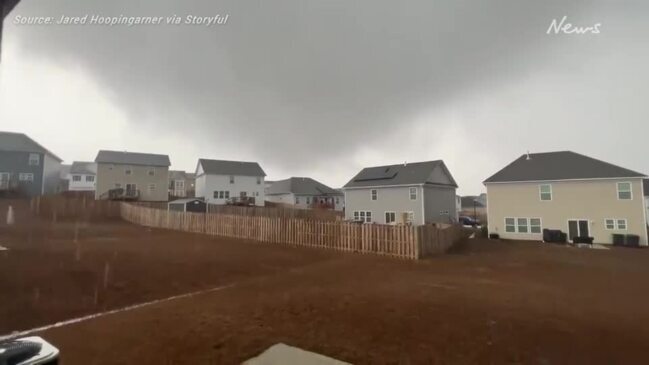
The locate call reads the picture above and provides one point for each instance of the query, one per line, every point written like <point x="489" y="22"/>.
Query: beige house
<point x="566" y="191"/>
<point x="132" y="176"/>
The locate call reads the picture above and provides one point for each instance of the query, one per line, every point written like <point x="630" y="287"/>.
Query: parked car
<point x="468" y="221"/>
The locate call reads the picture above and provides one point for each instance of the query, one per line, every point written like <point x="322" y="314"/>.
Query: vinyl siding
<point x="110" y="174"/>
<point x="389" y="199"/>
<point x="18" y="162"/>
<point x="207" y="184"/>
<point x="593" y="200"/>
<point x="438" y="199"/>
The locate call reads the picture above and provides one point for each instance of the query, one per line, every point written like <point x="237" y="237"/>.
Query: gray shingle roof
<point x="301" y="186"/>
<point x="82" y="167"/>
<point x="10" y="141"/>
<point x="563" y="165"/>
<point x="402" y="174"/>
<point x="132" y="158"/>
<point x="223" y="167"/>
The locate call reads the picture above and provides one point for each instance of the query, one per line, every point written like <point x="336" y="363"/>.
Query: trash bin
<point x="494" y="236"/>
<point x="579" y="239"/>
<point x="618" y="239"/>
<point x="632" y="240"/>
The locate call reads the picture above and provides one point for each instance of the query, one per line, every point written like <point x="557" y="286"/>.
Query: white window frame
<point x="540" y="225"/>
<point x="410" y="217"/>
<point x="34" y="161"/>
<point x="179" y="184"/>
<point x="394" y="217"/>
<point x="258" y="180"/>
<point x="363" y="215"/>
<point x="337" y="200"/>
<point x="527" y="225"/>
<point x="76" y="178"/>
<point x="26" y="176"/>
<point x="231" y="179"/>
<point x="617" y="224"/>
<point x="308" y="200"/>
<point x="613" y="225"/>
<point x="297" y="199"/>
<point x="510" y="225"/>
<point x="630" y="191"/>
<point x="90" y="178"/>
<point x="541" y="192"/>
<point x="410" y="192"/>
<point x="374" y="194"/>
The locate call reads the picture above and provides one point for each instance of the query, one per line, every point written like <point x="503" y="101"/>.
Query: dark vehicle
<point x="468" y="221"/>
<point x="28" y="351"/>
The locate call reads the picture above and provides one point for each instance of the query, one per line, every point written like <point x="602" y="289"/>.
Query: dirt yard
<point x="486" y="302"/>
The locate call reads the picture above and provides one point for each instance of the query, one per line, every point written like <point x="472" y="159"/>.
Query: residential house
<point x="230" y="182"/>
<point x="26" y="167"/>
<point x="566" y="191"/>
<point x="132" y="175"/>
<point x="305" y="193"/>
<point x="81" y="176"/>
<point x="182" y="184"/>
<point x="411" y="193"/>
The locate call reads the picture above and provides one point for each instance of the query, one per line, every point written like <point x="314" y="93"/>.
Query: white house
<point x="81" y="176"/>
<point x="230" y="182"/>
<point x="305" y="193"/>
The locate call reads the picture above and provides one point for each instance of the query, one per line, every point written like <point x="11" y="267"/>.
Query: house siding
<point x="15" y="162"/>
<point x="593" y="200"/>
<point x="206" y="184"/>
<point x="439" y="204"/>
<point x="389" y="199"/>
<point x="110" y="174"/>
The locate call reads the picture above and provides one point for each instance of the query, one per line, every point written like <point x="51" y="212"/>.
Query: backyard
<point x="484" y="302"/>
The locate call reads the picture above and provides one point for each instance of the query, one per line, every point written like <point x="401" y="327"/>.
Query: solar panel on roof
<point x="380" y="173"/>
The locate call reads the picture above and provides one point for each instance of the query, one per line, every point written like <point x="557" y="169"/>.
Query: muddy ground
<point x="486" y="302"/>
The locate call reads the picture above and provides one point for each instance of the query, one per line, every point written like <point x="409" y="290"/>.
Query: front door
<point x="578" y="228"/>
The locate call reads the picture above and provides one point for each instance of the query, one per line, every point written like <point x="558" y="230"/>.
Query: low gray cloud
<point x="303" y="83"/>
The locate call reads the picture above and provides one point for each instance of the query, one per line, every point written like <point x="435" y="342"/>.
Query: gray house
<point x="26" y="167"/>
<point x="305" y="193"/>
<point x="411" y="193"/>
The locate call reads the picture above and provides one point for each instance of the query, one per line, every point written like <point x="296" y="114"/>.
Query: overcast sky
<point x="324" y="88"/>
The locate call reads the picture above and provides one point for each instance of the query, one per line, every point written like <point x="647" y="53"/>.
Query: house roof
<point x="132" y="158"/>
<point x="223" y="167"/>
<point x="20" y="142"/>
<point x="645" y="185"/>
<point x="83" y="167"/>
<point x="467" y="202"/>
<point x="300" y="186"/>
<point x="403" y="174"/>
<point x="563" y="165"/>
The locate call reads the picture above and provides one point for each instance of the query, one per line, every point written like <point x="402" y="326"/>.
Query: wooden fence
<point x="399" y="241"/>
<point x="79" y="207"/>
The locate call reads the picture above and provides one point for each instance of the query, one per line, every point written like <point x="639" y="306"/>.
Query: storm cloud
<point x="325" y="87"/>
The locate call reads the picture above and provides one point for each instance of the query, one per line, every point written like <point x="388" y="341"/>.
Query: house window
<point x="621" y="224"/>
<point x="624" y="191"/>
<point x="227" y="194"/>
<point x="151" y="188"/>
<point x="256" y="193"/>
<point x="337" y="200"/>
<point x="258" y="180"/>
<point x="26" y="176"/>
<point x="413" y="193"/>
<point x="521" y="225"/>
<point x="231" y="179"/>
<point x="535" y="225"/>
<point x="128" y="171"/>
<point x="410" y="217"/>
<point x="297" y="200"/>
<point x="180" y="184"/>
<point x="545" y="192"/>
<point x="390" y="217"/>
<point x="308" y="200"/>
<point x="34" y="159"/>
<point x="610" y="224"/>
<point x="615" y="223"/>
<point x="76" y="177"/>
<point x="510" y="225"/>
<point x="363" y="216"/>
<point x="90" y="178"/>
<point x="152" y="172"/>
<point x="216" y="195"/>
<point x="374" y="194"/>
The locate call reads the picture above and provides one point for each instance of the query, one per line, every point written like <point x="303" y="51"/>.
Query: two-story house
<point x="132" y="175"/>
<point x="81" y="176"/>
<point x="26" y="167"/>
<point x="410" y="193"/>
<point x="230" y="182"/>
<point x="182" y="184"/>
<point x="305" y="193"/>
<point x="577" y="194"/>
